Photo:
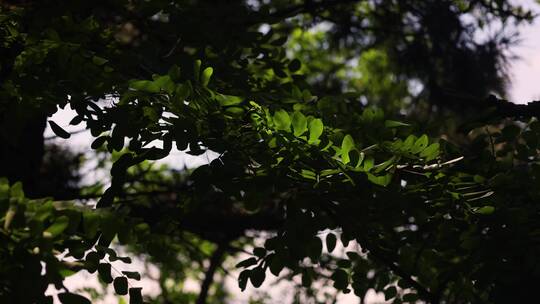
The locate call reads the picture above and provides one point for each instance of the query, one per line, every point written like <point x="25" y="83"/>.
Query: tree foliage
<point x="356" y="135"/>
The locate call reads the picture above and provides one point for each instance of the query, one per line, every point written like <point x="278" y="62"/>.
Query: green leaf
<point x="384" y="165"/>
<point x="145" y="86"/>
<point x="395" y="124"/>
<point x="59" y="225"/>
<point x="420" y="144"/>
<point x="10" y="215"/>
<point x="431" y="152"/>
<point x="229" y="100"/>
<point x="368" y="163"/>
<point x="71" y="298"/>
<point x="165" y="83"/>
<point x="135" y="295"/>
<point x="121" y="285"/>
<point x="16" y="191"/>
<point x="234" y="111"/>
<point x="382" y="180"/>
<point x="306" y="95"/>
<point x="296" y="93"/>
<point x="331" y="241"/>
<point x="372" y="114"/>
<point x="308" y="174"/>
<point x="315" y="131"/>
<point x="346" y="146"/>
<point x="282" y="121"/>
<point x="99" y="60"/>
<point x="58" y="130"/>
<point x="197" y="69"/>
<point x="206" y="75"/>
<point x="486" y="210"/>
<point x="408" y="144"/>
<point x="183" y="91"/>
<point x="299" y="123"/>
<point x="356" y="158"/>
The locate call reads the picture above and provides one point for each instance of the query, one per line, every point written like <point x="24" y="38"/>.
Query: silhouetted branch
<point x="504" y="108"/>
<point x="215" y="261"/>
<point x="489" y="108"/>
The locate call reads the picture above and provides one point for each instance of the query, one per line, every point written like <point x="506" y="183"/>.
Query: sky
<point x="525" y="87"/>
<point x="525" y="71"/>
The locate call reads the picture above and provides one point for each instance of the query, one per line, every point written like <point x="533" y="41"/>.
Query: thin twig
<point x="175" y="46"/>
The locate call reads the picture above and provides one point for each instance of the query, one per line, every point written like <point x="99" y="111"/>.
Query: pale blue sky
<point x="525" y="72"/>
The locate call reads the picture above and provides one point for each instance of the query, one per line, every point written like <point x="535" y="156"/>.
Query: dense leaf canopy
<point x="356" y="145"/>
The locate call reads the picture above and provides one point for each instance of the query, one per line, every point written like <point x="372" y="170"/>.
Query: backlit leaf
<point x="282" y="121"/>
<point x="206" y="75"/>
<point x="145" y="86"/>
<point x="58" y="226"/>
<point x="299" y="122"/>
<point x="346" y="146"/>
<point x="315" y="130"/>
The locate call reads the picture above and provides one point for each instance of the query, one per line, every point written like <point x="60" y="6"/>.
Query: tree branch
<point x="215" y="261"/>
<point x="490" y="107"/>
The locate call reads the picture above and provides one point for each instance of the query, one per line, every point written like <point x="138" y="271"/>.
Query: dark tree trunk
<point x="21" y="144"/>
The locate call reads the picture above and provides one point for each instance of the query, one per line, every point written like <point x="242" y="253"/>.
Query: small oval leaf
<point x="58" y="130"/>
<point x="71" y="298"/>
<point x="121" y="285"/>
<point x="315" y="130"/>
<point x="206" y="75"/>
<point x="331" y="241"/>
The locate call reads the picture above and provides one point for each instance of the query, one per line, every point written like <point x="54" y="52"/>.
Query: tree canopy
<point x="358" y="145"/>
